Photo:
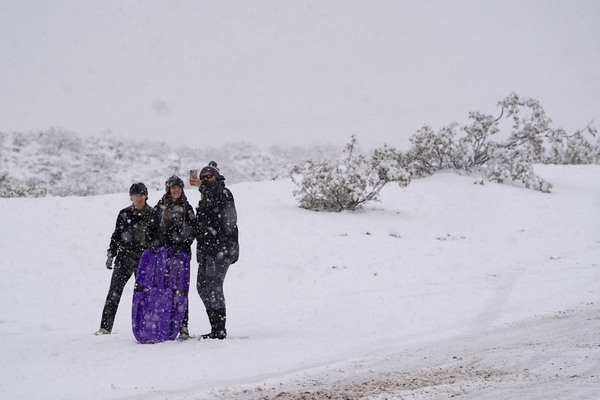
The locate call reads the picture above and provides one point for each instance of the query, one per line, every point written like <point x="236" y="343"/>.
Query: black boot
<point x="217" y="320"/>
<point x="184" y="333"/>
<point x="221" y="318"/>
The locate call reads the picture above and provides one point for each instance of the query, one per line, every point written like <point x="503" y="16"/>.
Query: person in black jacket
<point x="173" y="224"/>
<point x="217" y="246"/>
<point x="173" y="220"/>
<point x="127" y="244"/>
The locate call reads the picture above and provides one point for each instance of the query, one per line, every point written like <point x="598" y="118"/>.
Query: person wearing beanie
<point x="127" y="244"/>
<point x="217" y="246"/>
<point x="173" y="224"/>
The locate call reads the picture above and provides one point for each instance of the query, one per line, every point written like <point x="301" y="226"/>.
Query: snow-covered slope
<point x="444" y="288"/>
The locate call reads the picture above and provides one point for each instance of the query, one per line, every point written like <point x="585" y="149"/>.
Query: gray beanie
<point x="213" y="169"/>
<point x="174" y="181"/>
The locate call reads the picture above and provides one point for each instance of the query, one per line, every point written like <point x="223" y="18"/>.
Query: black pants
<point x="120" y="276"/>
<point x="211" y="275"/>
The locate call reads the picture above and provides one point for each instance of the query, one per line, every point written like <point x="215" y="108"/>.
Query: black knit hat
<point x="138" y="188"/>
<point x="174" y="181"/>
<point x="213" y="169"/>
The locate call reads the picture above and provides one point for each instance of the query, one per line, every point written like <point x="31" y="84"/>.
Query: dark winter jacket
<point x="128" y="240"/>
<point x="217" y="222"/>
<point x="173" y="225"/>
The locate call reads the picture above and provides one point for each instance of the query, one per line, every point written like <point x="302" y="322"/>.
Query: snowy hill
<point x="445" y="288"/>
<point x="60" y="163"/>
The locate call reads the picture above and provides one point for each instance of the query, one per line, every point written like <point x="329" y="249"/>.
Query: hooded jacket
<point x="172" y="224"/>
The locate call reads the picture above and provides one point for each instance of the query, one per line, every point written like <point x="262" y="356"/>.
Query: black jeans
<point x="120" y="276"/>
<point x="211" y="275"/>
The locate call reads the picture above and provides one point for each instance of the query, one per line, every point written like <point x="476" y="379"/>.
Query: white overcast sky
<point x="290" y="71"/>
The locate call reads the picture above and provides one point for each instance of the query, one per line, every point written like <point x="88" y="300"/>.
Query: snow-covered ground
<point x="445" y="288"/>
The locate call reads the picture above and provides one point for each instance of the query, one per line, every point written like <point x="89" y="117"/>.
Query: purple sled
<point x="160" y="295"/>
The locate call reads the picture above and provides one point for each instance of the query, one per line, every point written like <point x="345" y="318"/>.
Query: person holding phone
<point x="217" y="245"/>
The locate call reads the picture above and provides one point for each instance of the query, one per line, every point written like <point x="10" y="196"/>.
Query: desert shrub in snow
<point x="7" y="188"/>
<point x="573" y="149"/>
<point x="346" y="184"/>
<point x="13" y="188"/>
<point x="532" y="140"/>
<point x="431" y="151"/>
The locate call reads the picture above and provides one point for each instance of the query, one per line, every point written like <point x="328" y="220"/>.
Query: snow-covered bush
<point x="430" y="151"/>
<point x="512" y="165"/>
<point x="532" y="140"/>
<point x="573" y="149"/>
<point x="348" y="183"/>
<point x="10" y="188"/>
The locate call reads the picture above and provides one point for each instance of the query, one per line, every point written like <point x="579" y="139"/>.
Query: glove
<point x="109" y="261"/>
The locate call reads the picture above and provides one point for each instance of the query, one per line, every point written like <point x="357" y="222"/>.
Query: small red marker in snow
<point x="375" y="274"/>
